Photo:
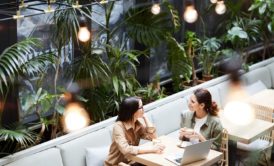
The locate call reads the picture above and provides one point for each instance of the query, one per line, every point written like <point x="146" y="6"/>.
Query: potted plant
<point x="191" y="46"/>
<point x="208" y="54"/>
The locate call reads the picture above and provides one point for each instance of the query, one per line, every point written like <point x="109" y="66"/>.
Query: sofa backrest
<point x="74" y="152"/>
<point x="262" y="74"/>
<point x="47" y="157"/>
<point x="170" y="114"/>
<point x="270" y="68"/>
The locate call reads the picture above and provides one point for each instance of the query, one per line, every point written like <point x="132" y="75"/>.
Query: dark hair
<point x="204" y="96"/>
<point x="127" y="108"/>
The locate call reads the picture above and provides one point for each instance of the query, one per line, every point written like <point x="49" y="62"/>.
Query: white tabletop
<point x="171" y="148"/>
<point x="251" y="132"/>
<point x="264" y="98"/>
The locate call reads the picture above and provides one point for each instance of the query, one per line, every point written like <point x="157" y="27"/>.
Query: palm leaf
<point x="90" y="69"/>
<point x="21" y="58"/>
<point x="20" y="135"/>
<point x="150" y="29"/>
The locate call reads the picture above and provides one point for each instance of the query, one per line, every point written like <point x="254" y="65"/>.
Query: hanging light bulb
<point x="83" y="34"/>
<point x="190" y="14"/>
<point x="220" y="7"/>
<point x="75" y="117"/>
<point x="155" y="9"/>
<point x="213" y="1"/>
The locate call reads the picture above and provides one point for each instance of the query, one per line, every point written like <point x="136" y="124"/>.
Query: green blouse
<point x="212" y="129"/>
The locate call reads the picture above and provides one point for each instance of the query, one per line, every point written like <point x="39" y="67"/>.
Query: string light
<point x="190" y="14"/>
<point x="83" y="34"/>
<point x="213" y="1"/>
<point x="75" y="117"/>
<point x="220" y="7"/>
<point x="155" y="9"/>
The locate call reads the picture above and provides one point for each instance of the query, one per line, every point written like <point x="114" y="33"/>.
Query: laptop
<point x="191" y="153"/>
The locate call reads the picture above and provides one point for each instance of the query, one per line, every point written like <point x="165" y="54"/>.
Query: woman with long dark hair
<point x="201" y="123"/>
<point x="130" y="127"/>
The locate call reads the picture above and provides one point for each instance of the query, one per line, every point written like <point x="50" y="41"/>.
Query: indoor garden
<point x="91" y="54"/>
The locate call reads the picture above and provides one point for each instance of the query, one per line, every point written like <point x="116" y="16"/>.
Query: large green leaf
<point x="20" y="59"/>
<point x="150" y="29"/>
<point x="178" y="61"/>
<point x="238" y="32"/>
<point x="18" y="134"/>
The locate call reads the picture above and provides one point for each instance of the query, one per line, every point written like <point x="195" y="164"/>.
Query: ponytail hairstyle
<point x="204" y="96"/>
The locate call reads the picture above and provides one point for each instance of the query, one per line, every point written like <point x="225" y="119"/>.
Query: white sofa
<point x="70" y="150"/>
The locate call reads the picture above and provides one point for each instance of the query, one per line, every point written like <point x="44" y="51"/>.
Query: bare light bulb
<point x="75" y="117"/>
<point x="190" y="14"/>
<point x="238" y="113"/>
<point x="220" y="7"/>
<point x="213" y="1"/>
<point x="83" y="34"/>
<point x="155" y="9"/>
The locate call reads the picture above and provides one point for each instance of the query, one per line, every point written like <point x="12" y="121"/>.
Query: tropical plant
<point x="178" y="62"/>
<point x="191" y="45"/>
<point x="264" y="11"/>
<point x="243" y="32"/>
<point x="15" y="137"/>
<point x="20" y="60"/>
<point x="208" y="54"/>
<point x="150" y="93"/>
<point x="150" y="29"/>
<point x="121" y="82"/>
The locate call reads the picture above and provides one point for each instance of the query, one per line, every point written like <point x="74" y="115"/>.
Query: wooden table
<point x="171" y="148"/>
<point x="263" y="103"/>
<point x="251" y="132"/>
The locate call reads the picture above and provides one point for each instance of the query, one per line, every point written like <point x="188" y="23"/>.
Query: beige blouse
<point x="125" y="141"/>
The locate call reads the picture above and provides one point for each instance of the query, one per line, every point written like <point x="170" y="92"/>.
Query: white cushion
<point x="255" y="87"/>
<point x="259" y="144"/>
<point x="47" y="157"/>
<point x="223" y="92"/>
<point x="73" y="152"/>
<point x="96" y="156"/>
<point x="262" y="74"/>
<point x="167" y="118"/>
<point x="270" y="68"/>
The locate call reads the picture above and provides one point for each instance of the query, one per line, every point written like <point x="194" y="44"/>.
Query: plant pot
<point x="207" y="77"/>
<point x="189" y="84"/>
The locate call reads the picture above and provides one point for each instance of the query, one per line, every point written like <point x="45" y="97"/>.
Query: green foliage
<point x="90" y="69"/>
<point x="22" y="59"/>
<point x="150" y="29"/>
<point x="150" y="93"/>
<point x="122" y="64"/>
<point x="265" y="10"/>
<point x="17" y="135"/>
<point x="208" y="54"/>
<point x="40" y="102"/>
<point x="178" y="62"/>
<point x="191" y="45"/>
<point x="104" y="99"/>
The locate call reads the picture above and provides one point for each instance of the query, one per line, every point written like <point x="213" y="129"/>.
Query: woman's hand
<point x="185" y="132"/>
<point x="158" y="148"/>
<point x="195" y="135"/>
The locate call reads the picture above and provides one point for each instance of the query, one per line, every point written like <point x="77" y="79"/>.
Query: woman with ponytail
<point x="201" y="123"/>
